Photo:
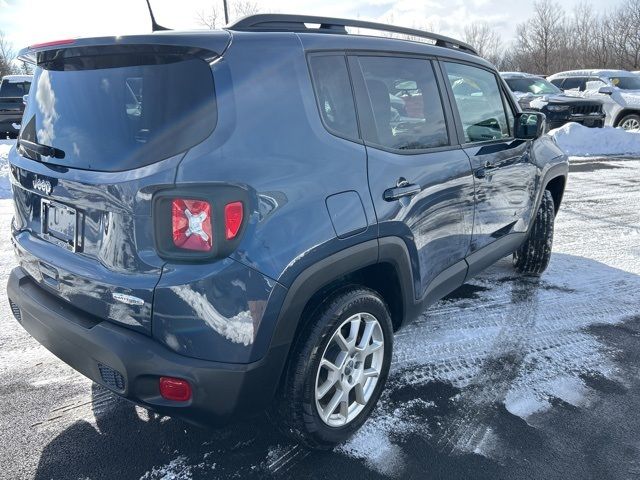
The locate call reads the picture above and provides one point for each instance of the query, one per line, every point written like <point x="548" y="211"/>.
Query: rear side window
<point x="13" y="89"/>
<point x="480" y="103"/>
<point x="574" y="84"/>
<point x="405" y="102"/>
<point x="333" y="92"/>
<point x="119" y="112"/>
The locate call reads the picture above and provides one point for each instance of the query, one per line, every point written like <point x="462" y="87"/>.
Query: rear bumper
<point x="130" y="363"/>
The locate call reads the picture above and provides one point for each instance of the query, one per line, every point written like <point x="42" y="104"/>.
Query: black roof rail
<point x="278" y="22"/>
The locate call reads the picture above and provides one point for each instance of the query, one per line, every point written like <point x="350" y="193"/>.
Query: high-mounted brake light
<point x="175" y="389"/>
<point x="233" y="214"/>
<point x="54" y="43"/>
<point x="191" y="224"/>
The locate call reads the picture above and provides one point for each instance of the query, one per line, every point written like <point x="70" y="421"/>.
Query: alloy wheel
<point x="349" y="369"/>
<point x="630" y="124"/>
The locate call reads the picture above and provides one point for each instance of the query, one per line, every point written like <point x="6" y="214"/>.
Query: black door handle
<point x="404" y="189"/>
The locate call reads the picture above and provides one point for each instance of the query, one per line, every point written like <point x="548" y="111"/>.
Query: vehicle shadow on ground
<point x="128" y="442"/>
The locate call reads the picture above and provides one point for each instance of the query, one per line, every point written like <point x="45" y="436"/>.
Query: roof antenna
<point x="154" y="26"/>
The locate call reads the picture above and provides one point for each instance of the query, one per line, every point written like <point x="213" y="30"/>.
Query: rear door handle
<point x="403" y="189"/>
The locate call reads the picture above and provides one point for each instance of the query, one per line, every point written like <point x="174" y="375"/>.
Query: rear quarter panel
<point x="270" y="140"/>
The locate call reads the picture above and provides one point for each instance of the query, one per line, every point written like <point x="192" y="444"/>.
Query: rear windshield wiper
<point x="42" y="149"/>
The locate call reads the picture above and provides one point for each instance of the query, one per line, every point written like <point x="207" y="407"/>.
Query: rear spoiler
<point x="206" y="44"/>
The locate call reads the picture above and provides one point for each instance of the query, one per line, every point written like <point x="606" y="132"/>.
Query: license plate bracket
<point x="59" y="224"/>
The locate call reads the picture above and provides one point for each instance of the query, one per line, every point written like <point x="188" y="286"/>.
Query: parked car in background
<point x="618" y="89"/>
<point x="536" y="93"/>
<point x="12" y="90"/>
<point x="271" y="214"/>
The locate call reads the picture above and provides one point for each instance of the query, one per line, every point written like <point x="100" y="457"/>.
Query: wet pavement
<point x="506" y="378"/>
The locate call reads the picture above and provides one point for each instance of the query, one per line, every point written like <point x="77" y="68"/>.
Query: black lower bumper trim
<point x="221" y="391"/>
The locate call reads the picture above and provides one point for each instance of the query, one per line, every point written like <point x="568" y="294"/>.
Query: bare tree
<point x="582" y="37"/>
<point x="208" y="18"/>
<point x="626" y="34"/>
<point x="541" y="41"/>
<point x="242" y="8"/>
<point x="485" y="40"/>
<point x="212" y="18"/>
<point x="7" y="54"/>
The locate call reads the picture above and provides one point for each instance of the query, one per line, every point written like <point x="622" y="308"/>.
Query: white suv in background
<point x="618" y="89"/>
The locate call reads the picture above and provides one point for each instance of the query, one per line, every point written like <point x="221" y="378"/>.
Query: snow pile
<point x="580" y="141"/>
<point x="5" y="186"/>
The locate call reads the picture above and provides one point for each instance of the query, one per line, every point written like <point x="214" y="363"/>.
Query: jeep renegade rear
<point x="214" y="224"/>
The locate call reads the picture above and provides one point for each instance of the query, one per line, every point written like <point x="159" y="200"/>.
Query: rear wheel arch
<point x="382" y="265"/>
<point x="625" y="112"/>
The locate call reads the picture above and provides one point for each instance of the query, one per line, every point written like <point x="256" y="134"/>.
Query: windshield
<point x="10" y="89"/>
<point x="118" y="112"/>
<point x="626" y="83"/>
<point x="537" y="86"/>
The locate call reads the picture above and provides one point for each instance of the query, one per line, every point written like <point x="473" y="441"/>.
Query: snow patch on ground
<point x="373" y="442"/>
<point x="177" y="469"/>
<point x="578" y="140"/>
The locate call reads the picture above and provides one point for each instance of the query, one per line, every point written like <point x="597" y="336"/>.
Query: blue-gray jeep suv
<point x="212" y="224"/>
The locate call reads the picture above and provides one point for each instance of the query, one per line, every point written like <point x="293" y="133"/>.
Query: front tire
<point x="630" y="122"/>
<point x="532" y="258"/>
<point x="338" y="369"/>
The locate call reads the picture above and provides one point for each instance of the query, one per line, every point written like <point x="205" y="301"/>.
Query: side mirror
<point x="529" y="125"/>
<point x="25" y="98"/>
<point x="606" y="90"/>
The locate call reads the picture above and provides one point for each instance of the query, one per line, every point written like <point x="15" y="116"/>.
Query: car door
<point x="505" y="175"/>
<point x="419" y="177"/>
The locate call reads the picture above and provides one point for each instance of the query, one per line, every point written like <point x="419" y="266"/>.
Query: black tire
<point x="532" y="258"/>
<point x="295" y="411"/>
<point x="632" y="119"/>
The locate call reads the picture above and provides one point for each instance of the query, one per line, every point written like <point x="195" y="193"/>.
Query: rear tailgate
<point x="105" y="127"/>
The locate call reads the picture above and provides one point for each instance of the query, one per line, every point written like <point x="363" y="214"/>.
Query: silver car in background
<point x="618" y="89"/>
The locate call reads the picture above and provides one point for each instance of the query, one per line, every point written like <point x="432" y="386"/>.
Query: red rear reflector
<point x="191" y="224"/>
<point x="53" y="43"/>
<point x="175" y="389"/>
<point x="233" y="215"/>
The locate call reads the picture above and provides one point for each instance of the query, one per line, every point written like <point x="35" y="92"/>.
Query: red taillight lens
<point x="233" y="215"/>
<point x="175" y="389"/>
<point x="191" y="223"/>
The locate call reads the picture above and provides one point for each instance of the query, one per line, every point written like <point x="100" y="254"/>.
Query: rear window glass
<point x="123" y="116"/>
<point x="13" y="89"/>
<point x="333" y="91"/>
<point x="405" y="102"/>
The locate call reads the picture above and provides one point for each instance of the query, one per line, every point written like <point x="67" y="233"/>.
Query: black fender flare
<point x="560" y="169"/>
<point x="391" y="250"/>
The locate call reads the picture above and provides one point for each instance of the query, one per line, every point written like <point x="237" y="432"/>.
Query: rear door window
<point x="119" y="112"/>
<point x="574" y="84"/>
<point x="333" y="93"/>
<point x="406" y="103"/>
<point x="480" y="103"/>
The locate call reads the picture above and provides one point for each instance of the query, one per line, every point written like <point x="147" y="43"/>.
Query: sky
<point x="25" y="22"/>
